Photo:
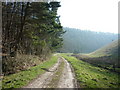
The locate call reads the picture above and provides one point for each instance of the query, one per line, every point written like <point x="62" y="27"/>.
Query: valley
<point x="39" y="51"/>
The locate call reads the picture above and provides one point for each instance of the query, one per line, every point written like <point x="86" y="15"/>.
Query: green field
<point x="24" y="77"/>
<point x="106" y="57"/>
<point x="89" y="76"/>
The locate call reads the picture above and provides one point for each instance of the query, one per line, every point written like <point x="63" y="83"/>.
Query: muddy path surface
<point x="67" y="79"/>
<point x="61" y="75"/>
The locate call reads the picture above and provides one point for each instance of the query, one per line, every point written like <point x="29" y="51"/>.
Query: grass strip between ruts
<point x="56" y="76"/>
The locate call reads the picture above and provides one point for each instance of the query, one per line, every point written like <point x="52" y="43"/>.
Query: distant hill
<point x="106" y="57"/>
<point x="108" y="50"/>
<point x="84" y="41"/>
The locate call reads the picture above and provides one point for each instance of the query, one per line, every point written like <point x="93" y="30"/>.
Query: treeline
<point x="31" y="28"/>
<point x="85" y="41"/>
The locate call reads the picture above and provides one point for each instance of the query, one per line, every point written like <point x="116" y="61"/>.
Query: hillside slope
<point x="107" y="50"/>
<point x="83" y="41"/>
<point x="106" y="57"/>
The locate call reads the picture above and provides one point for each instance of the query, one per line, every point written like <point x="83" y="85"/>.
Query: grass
<point x="110" y="63"/>
<point x="108" y="50"/>
<point x="90" y="76"/>
<point x="0" y="84"/>
<point x="22" y="78"/>
<point x="106" y="57"/>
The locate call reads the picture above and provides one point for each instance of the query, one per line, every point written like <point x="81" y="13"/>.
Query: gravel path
<point x="66" y="80"/>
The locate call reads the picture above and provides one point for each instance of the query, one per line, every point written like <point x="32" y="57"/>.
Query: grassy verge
<point x="90" y="76"/>
<point x="107" y="62"/>
<point x="24" y="77"/>
<point x="0" y="84"/>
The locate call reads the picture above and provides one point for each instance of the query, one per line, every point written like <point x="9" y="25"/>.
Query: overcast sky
<point x="95" y="15"/>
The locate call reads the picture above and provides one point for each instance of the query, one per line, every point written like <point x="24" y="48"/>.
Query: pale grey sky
<point x="95" y="15"/>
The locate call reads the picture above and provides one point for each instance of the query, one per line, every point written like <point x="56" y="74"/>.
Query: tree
<point x="31" y="28"/>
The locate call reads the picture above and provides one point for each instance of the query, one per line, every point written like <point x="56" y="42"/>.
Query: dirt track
<point x="57" y="76"/>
